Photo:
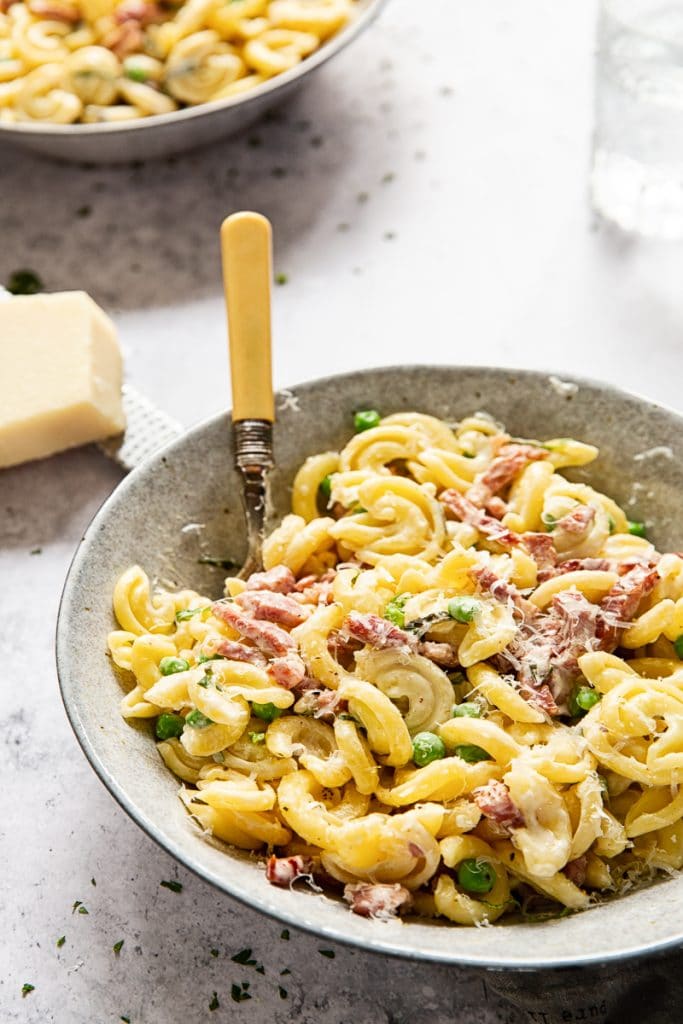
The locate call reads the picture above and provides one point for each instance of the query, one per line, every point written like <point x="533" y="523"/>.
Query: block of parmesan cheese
<point x="60" y="375"/>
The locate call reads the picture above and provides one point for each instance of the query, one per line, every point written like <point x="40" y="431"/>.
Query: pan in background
<point x="164" y="134"/>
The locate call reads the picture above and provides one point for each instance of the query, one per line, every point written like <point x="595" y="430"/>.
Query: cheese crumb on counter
<point x="60" y="375"/>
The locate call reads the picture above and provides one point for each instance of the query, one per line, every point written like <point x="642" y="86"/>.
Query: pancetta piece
<point x="268" y="637"/>
<point x="502" y="590"/>
<point x="288" y="671"/>
<point x="285" y="870"/>
<point x="621" y="603"/>
<point x="541" y="548"/>
<point x="377" y="632"/>
<point x="233" y="650"/>
<point x="279" y="580"/>
<point x="511" y="459"/>
<point x="457" y="506"/>
<point x="379" y="900"/>
<point x="441" y="654"/>
<point x="494" y="802"/>
<point x="272" y="607"/>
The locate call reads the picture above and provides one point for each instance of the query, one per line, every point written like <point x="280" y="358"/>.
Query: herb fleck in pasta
<point x="455" y="690"/>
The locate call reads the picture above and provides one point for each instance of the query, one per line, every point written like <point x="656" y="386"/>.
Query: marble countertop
<point x="428" y="196"/>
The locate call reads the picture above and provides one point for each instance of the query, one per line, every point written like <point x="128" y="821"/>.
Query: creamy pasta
<point x="68" y="61"/>
<point x="456" y="689"/>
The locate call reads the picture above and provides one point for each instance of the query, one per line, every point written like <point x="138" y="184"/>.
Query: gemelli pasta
<point x="455" y="690"/>
<point x="68" y="61"/>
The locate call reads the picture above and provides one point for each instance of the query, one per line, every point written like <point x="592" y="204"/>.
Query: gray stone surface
<point x="428" y="198"/>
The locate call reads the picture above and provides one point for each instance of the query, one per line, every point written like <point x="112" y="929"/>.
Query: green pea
<point x="394" y="610"/>
<point x="582" y="699"/>
<point x="476" y="876"/>
<point x="549" y="521"/>
<point x="471" y="753"/>
<point x="169" y="725"/>
<point x="365" y="419"/>
<point x="463" y="609"/>
<point x="268" y="712"/>
<point x="326" y="486"/>
<point x="197" y="720"/>
<point x="468" y="709"/>
<point x="427" y="747"/>
<point x="637" y="529"/>
<point x="678" y="647"/>
<point x="169" y="666"/>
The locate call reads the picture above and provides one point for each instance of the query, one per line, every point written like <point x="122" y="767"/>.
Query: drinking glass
<point x="637" y="174"/>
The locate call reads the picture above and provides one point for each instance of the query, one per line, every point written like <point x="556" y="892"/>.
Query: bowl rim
<point x="373" y="942"/>
<point x="361" y="20"/>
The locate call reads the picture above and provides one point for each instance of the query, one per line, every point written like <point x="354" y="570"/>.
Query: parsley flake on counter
<point x="284" y="934"/>
<point x="217" y="563"/>
<point x="285" y="971"/>
<point x="118" y="946"/>
<point x="329" y="953"/>
<point x="282" y="991"/>
<point x="93" y="882"/>
<point x="214" y="1004"/>
<point x="172" y="885"/>
<point x="126" y="1020"/>
<point x="239" y="992"/>
<point x="214" y="952"/>
<point x="24" y="282"/>
<point x="281" y="279"/>
<point x="243" y="957"/>
<point x="80" y="907"/>
<point x="26" y="988"/>
<point x="36" y="551"/>
<point x="60" y="941"/>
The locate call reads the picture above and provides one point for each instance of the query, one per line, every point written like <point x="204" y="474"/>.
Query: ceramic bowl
<point x="193" y="482"/>
<point x="164" y="134"/>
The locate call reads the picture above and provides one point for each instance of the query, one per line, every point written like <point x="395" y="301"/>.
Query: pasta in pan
<point x="455" y="690"/>
<point x="66" y="61"/>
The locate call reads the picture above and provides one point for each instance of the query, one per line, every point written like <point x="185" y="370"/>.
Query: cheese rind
<point x="60" y="375"/>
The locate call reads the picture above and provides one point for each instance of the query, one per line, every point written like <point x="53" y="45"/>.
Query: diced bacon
<point x="511" y="459"/>
<point x="378" y="900"/>
<point x="137" y="10"/>
<point x="285" y="870"/>
<point x="621" y="603"/>
<point x="279" y="580"/>
<point x="124" y="39"/>
<point x="288" y="671"/>
<point x="578" y="520"/>
<point x="376" y="632"/>
<point x="502" y="590"/>
<point x="319" y="702"/>
<point x="497" y="507"/>
<point x="67" y="13"/>
<point x="272" y="607"/>
<point x="457" y="506"/>
<point x="575" y="870"/>
<point x="541" y="548"/>
<point x="233" y="650"/>
<point x="316" y="589"/>
<point x="494" y="802"/>
<point x="268" y="637"/>
<point x="542" y="698"/>
<point x="576" y="565"/>
<point x="442" y="654"/>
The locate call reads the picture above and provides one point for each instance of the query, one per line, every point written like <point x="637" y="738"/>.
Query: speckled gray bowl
<point x="193" y="481"/>
<point x="163" y="134"/>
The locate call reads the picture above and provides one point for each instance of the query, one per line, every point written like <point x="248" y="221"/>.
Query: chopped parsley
<point x="93" y="882"/>
<point x="214" y="952"/>
<point x="218" y="563"/>
<point x="214" y="1004"/>
<point x="24" y="282"/>
<point x="60" y="941"/>
<point x="126" y="1020"/>
<point x="281" y="279"/>
<point x="188" y="613"/>
<point x="257" y="737"/>
<point x="394" y="610"/>
<point x="172" y="885"/>
<point x="196" y="720"/>
<point x="282" y="991"/>
<point x="118" y="946"/>
<point x="239" y="992"/>
<point x="243" y="957"/>
<point x="286" y="970"/>
<point x="26" y="988"/>
<point x="329" y="953"/>
<point x="36" y="551"/>
<point x="284" y="934"/>
<point x="78" y="906"/>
